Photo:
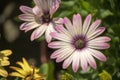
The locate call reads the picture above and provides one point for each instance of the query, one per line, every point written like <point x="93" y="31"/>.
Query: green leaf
<point x="105" y="13"/>
<point x="47" y="69"/>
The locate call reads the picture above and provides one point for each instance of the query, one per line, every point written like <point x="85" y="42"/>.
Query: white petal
<point x="100" y="39"/>
<point x="77" y="23"/>
<point x="90" y="59"/>
<point x="93" y="27"/>
<point x="38" y="32"/>
<point x="76" y="61"/>
<point x="59" y="36"/>
<point x="67" y="62"/>
<point x="62" y="30"/>
<point x="96" y="33"/>
<point x="83" y="60"/>
<point x="96" y="45"/>
<point x="26" y="9"/>
<point x="65" y="54"/>
<point x="69" y="26"/>
<point x="58" y="44"/>
<point x="28" y="26"/>
<point x="37" y="11"/>
<point x="50" y="29"/>
<point x="98" y="55"/>
<point x="54" y="5"/>
<point x="42" y="4"/>
<point x="27" y="17"/>
<point x="57" y="52"/>
<point x="86" y="24"/>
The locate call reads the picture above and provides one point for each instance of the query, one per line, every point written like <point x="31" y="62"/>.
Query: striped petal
<point x="26" y="10"/>
<point x="67" y="62"/>
<point x="50" y="29"/>
<point x="83" y="60"/>
<point x="62" y="30"/>
<point x="59" y="36"/>
<point x="98" y="55"/>
<point x="38" y="32"/>
<point x="58" y="44"/>
<point x="26" y="17"/>
<point x="86" y="24"/>
<point x="76" y="61"/>
<point x="96" y="33"/>
<point x="77" y="24"/>
<point x="65" y="54"/>
<point x="94" y="26"/>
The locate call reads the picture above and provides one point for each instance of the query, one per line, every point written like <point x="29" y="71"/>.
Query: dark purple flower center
<point x="46" y="18"/>
<point x="79" y="42"/>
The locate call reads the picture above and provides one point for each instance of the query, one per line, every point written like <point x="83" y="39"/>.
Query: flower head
<point x="39" y="18"/>
<point x="4" y="61"/>
<point x="26" y="71"/>
<point x="78" y="44"/>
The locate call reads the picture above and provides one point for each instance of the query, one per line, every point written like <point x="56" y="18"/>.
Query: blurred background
<point x="19" y="42"/>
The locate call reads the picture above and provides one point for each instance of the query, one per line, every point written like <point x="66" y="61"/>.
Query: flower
<point x="4" y="62"/>
<point x="26" y="72"/>
<point x="104" y="75"/>
<point x="78" y="44"/>
<point x="39" y="18"/>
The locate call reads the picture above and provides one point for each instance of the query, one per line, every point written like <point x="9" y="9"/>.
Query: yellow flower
<point x="3" y="57"/>
<point x="3" y="72"/>
<point x="104" y="75"/>
<point x="26" y="72"/>
<point x="4" y="62"/>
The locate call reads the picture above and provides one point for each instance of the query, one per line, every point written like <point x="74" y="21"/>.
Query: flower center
<point x="80" y="43"/>
<point x="46" y="18"/>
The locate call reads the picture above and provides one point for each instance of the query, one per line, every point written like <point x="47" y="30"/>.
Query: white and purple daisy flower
<point x="78" y="44"/>
<point x="39" y="18"/>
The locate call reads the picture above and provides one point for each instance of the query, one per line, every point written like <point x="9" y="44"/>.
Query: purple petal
<point x="26" y="9"/>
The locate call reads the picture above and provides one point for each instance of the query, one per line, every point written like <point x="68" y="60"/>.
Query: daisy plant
<point x="79" y="43"/>
<point x="26" y="72"/>
<point x="4" y="62"/>
<point x="40" y="18"/>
